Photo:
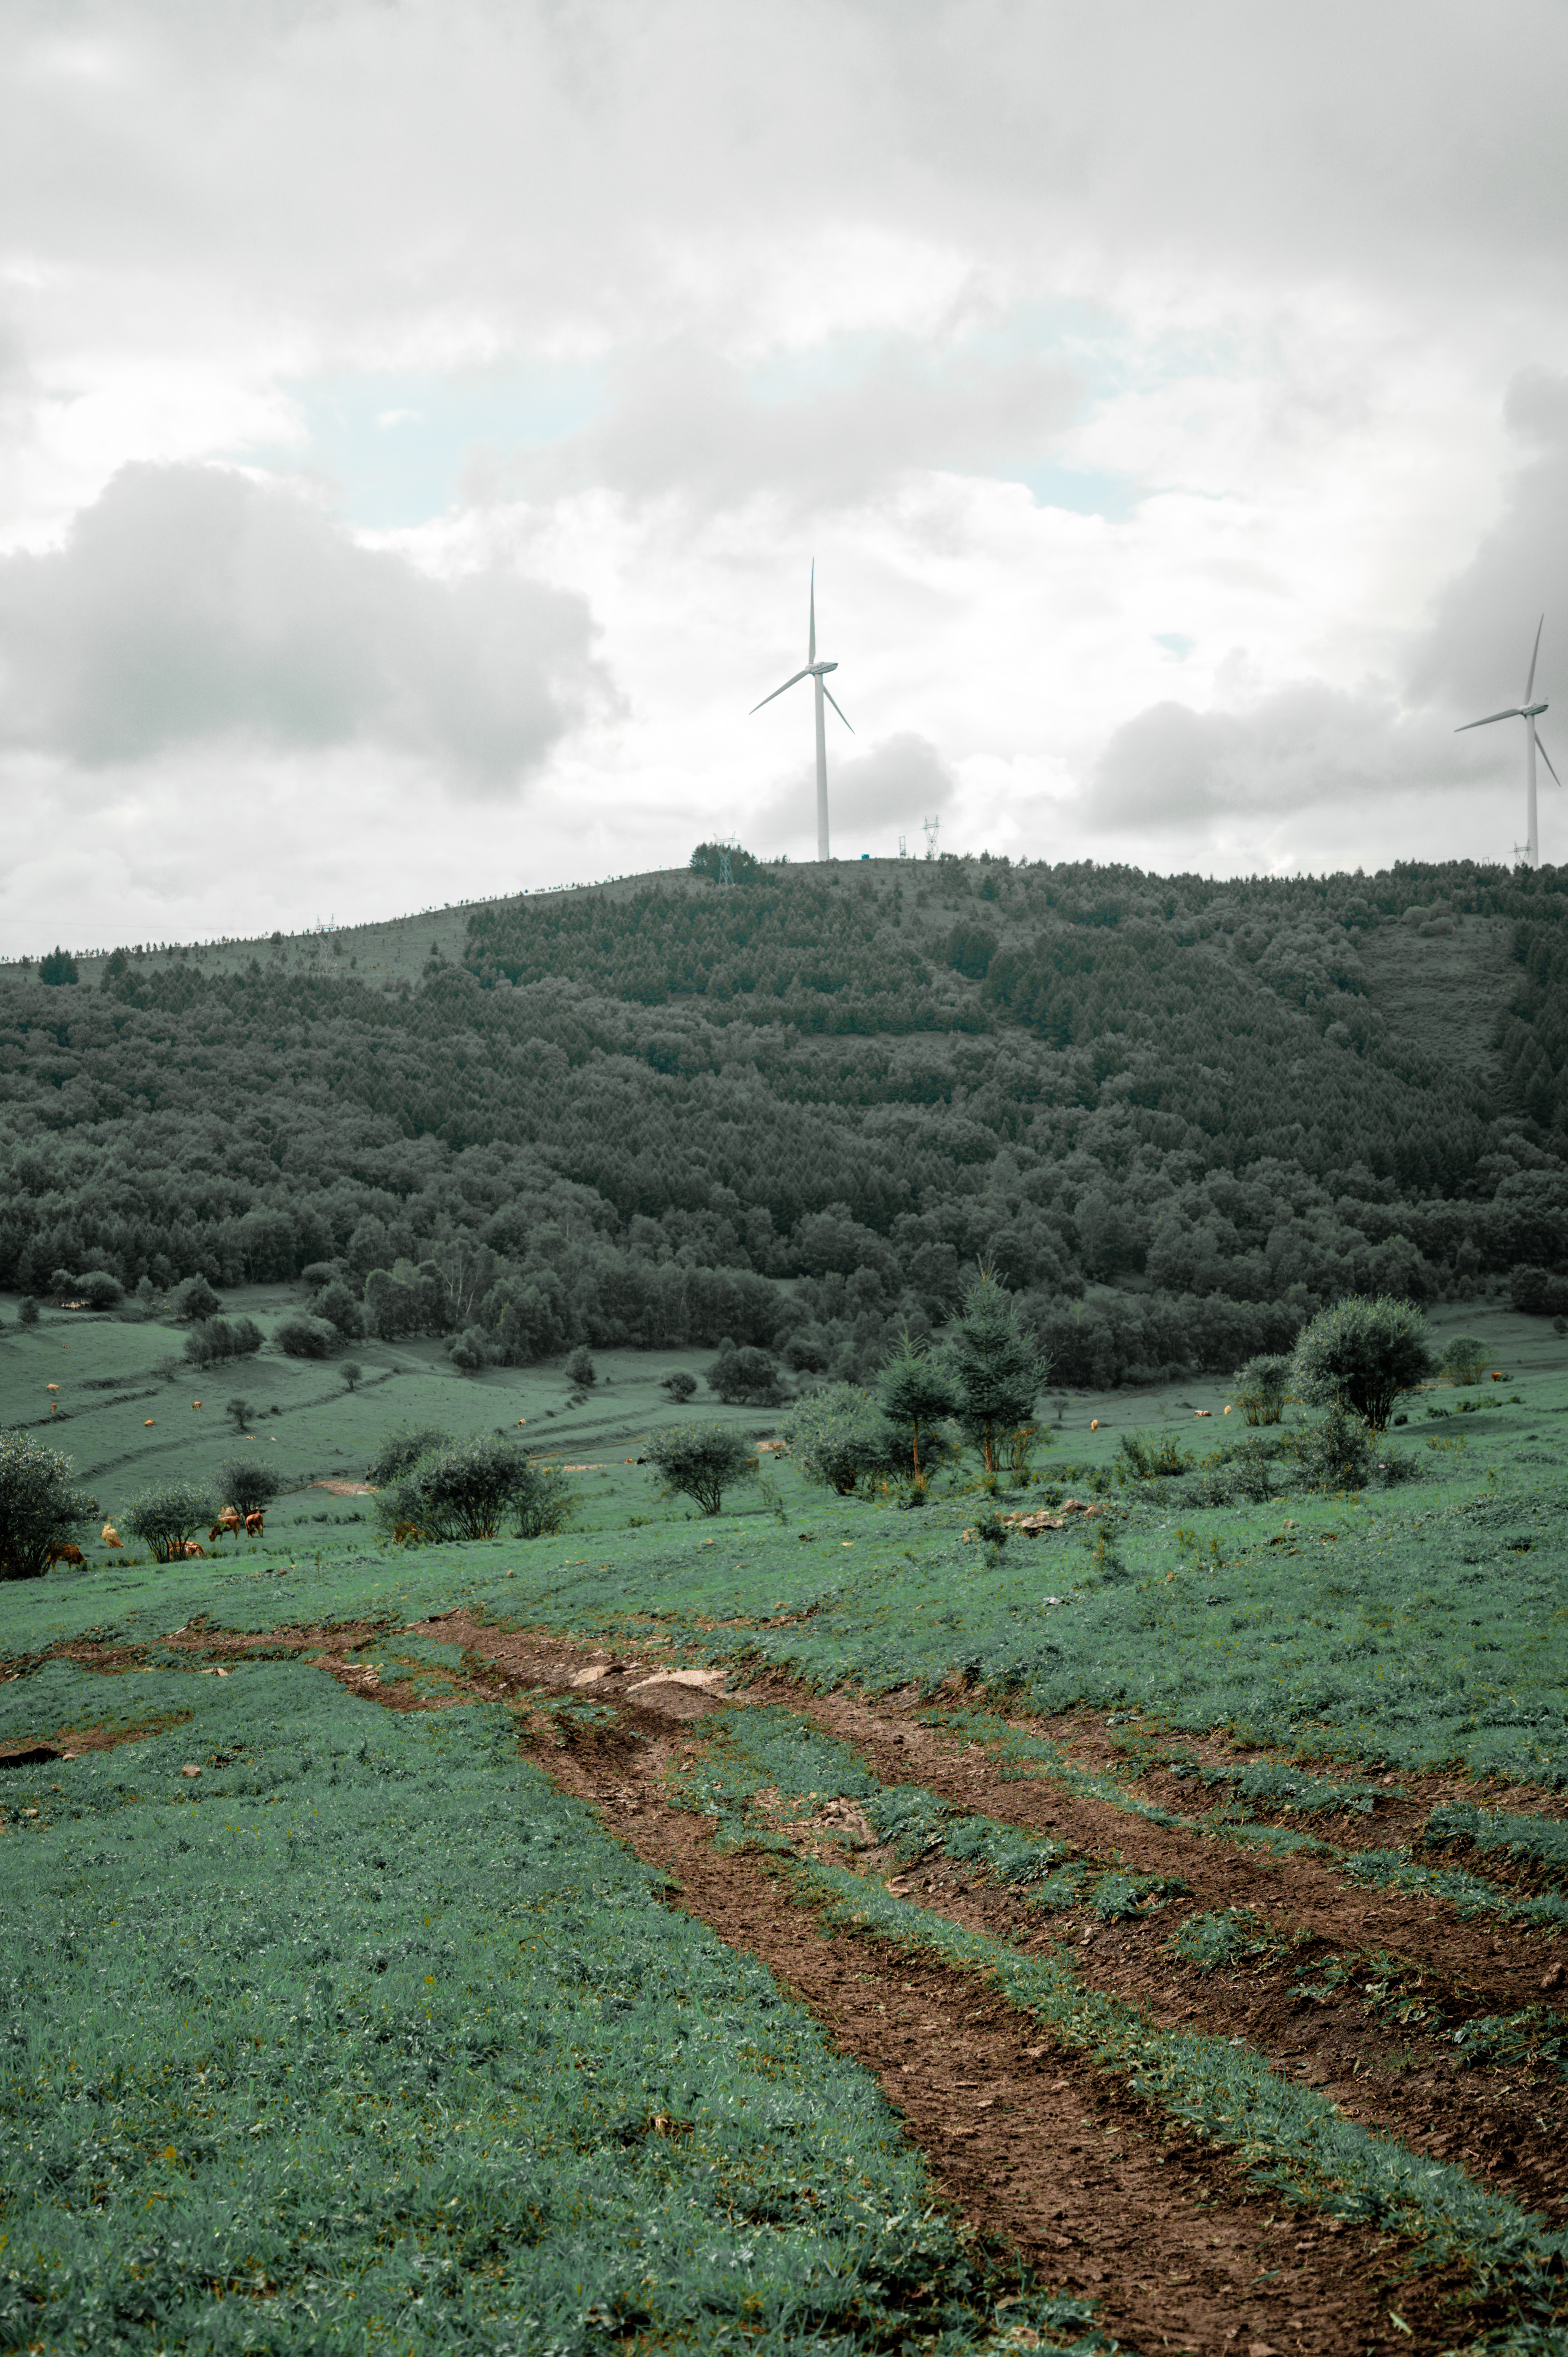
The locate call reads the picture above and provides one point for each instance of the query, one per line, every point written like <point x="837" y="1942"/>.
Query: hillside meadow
<point x="823" y="1924"/>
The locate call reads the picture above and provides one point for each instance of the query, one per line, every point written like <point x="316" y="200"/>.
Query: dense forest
<point x="789" y="1109"/>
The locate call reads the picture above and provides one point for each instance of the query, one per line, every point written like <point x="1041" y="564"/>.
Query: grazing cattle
<point x="192" y="1548"/>
<point x="406" y="1534"/>
<point x="255" y="1525"/>
<point x="1094" y="1423"/>
<point x="1207" y="1411"/>
<point x="65" y="1554"/>
<point x="149" y="1419"/>
<point x="227" y="1523"/>
<point x="112" y="1536"/>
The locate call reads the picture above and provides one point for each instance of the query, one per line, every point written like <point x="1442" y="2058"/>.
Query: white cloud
<point x="189" y="605"/>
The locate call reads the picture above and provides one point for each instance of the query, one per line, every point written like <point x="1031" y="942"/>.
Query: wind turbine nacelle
<point x="819" y="669"/>
<point x="1528" y="711"/>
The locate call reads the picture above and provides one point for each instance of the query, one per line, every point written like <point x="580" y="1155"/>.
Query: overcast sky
<point x="418" y="419"/>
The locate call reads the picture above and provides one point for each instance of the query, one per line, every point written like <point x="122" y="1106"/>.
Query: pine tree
<point x="997" y="1364"/>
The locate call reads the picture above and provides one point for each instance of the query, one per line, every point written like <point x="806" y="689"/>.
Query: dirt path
<point x="1035" y="2147"/>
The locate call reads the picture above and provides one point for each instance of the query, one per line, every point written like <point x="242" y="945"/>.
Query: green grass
<point x="369" y="2037"/>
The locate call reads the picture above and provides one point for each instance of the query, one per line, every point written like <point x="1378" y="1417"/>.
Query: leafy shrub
<point x="546" y="1508"/>
<point x="838" y="1435"/>
<point x="247" y="1484"/>
<point x="1335" y="1454"/>
<point x="1360" y="1354"/>
<point x="28" y="1310"/>
<point x="222" y="1337"/>
<point x="1148" y="1459"/>
<point x="100" y="1291"/>
<point x="1537" y="1292"/>
<point x="299" y="1337"/>
<point x="580" y="1368"/>
<point x="744" y="1377"/>
<point x="165" y="1515"/>
<point x="194" y="1298"/>
<point x="340" y="1308"/>
<point x="1465" y="1360"/>
<point x="681" y="1386"/>
<point x="465" y="1489"/>
<point x="1250" y="1464"/>
<point x="351" y="1372"/>
<point x="700" y="1461"/>
<point x="1261" y="1387"/>
<point x="402" y="1449"/>
<point x="471" y="1350"/>
<point x="40" y="1504"/>
<point x="239" y="1411"/>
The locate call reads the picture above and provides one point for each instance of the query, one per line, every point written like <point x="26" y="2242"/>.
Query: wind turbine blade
<point x="811" y="637"/>
<point x="1534" y="651"/>
<point x="827" y="690"/>
<point x="1546" y="757"/>
<point x="1513" y="713"/>
<point x="778" y="691"/>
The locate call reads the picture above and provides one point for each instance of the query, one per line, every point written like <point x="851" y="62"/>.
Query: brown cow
<point x="65" y="1552"/>
<point x="112" y="1536"/>
<point x="226" y="1524"/>
<point x="255" y="1525"/>
<point x="191" y="1548"/>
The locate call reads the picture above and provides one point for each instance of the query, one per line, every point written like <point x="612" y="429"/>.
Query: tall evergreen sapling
<point x="997" y="1364"/>
<point x="915" y="1390"/>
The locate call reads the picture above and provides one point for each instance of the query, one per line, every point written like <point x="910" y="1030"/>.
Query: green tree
<point x="1261" y="1387"/>
<point x="40" y="1504"/>
<point x="840" y="1437"/>
<point x="100" y="1289"/>
<point x="165" y="1515"/>
<point x="1465" y="1360"/>
<point x="247" y="1484"/>
<point x="580" y="1368"/>
<point x="59" y="966"/>
<point x="339" y="1307"/>
<point x="28" y="1310"/>
<point x="1360" y="1354"/>
<point x="915" y="1390"/>
<point x="700" y="1461"/>
<point x="351" y="1372"/>
<point x="681" y="1386"/>
<point x="194" y="1298"/>
<point x="998" y="1366"/>
<point x="239" y="1411"/>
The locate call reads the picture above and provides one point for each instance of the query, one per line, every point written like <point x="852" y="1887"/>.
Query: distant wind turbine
<point x="814" y="671"/>
<point x="1533" y="745"/>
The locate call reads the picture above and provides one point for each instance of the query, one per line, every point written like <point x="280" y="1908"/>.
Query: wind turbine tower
<point x="1527" y="712"/>
<point x="814" y="671"/>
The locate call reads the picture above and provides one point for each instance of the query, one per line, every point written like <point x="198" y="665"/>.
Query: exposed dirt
<point x="1037" y="2147"/>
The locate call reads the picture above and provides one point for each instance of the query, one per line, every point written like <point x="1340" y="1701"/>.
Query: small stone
<point x="1552" y="1977"/>
<point x="190" y="1771"/>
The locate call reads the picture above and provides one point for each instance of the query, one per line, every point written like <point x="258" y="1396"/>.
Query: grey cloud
<point x="896" y="782"/>
<point x="682" y="420"/>
<point x="1476" y="655"/>
<point x="1304" y="744"/>
<point x="189" y="603"/>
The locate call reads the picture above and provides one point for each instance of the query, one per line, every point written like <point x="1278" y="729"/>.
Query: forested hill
<point x="787" y="1108"/>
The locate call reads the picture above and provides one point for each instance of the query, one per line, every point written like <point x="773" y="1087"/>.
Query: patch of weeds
<point x="1229" y="1937"/>
<point x="1541" y="1841"/>
<point x="1515" y="2041"/>
<point x="1468" y="1894"/>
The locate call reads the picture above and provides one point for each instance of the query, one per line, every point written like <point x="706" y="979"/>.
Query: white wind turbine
<point x="813" y="672"/>
<point x="1526" y="712"/>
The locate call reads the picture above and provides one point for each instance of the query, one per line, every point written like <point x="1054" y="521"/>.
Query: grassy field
<point x="821" y="1924"/>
